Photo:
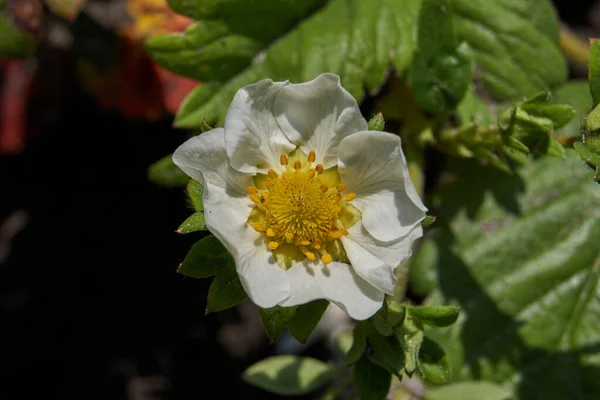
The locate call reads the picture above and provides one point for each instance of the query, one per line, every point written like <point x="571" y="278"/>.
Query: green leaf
<point x="371" y="381"/>
<point x="577" y="95"/>
<point x="359" y="344"/>
<point x="289" y="375"/>
<point x="594" y="72"/>
<point x="193" y="223"/>
<point x="433" y="363"/>
<point x="358" y="40"/>
<point x="387" y="352"/>
<point x="514" y="44"/>
<point x="226" y="290"/>
<point x="204" y="259"/>
<point x="521" y="258"/>
<point x="435" y="315"/>
<point x="306" y="318"/>
<point x="195" y="192"/>
<point x="165" y="173"/>
<point x="275" y="320"/>
<point x="441" y="69"/>
<point x="377" y="123"/>
<point x="15" y="43"/>
<point x="470" y="390"/>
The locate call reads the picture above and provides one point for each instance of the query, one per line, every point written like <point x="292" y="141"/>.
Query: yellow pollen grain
<point x="336" y="209"/>
<point x="265" y="195"/>
<point x="350" y="196"/>
<point x="312" y="156"/>
<point x="323" y="187"/>
<point x="270" y="232"/>
<point x="258" y="227"/>
<point x="336" y="234"/>
<point x="272" y="174"/>
<point x="304" y="242"/>
<point x="326" y="258"/>
<point x="297" y="164"/>
<point x="269" y="185"/>
<point x="319" y="169"/>
<point x="273" y="245"/>
<point x="341" y="186"/>
<point x="255" y="198"/>
<point x="311" y="173"/>
<point x="310" y="255"/>
<point x="317" y="246"/>
<point x="337" y="198"/>
<point x="252" y="190"/>
<point x="289" y="235"/>
<point x="283" y="159"/>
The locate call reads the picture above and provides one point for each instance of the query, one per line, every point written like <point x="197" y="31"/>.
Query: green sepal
<point x="306" y="318"/>
<point x="377" y="123"/>
<point x="165" y="173"/>
<point x="434" y="315"/>
<point x="275" y="320"/>
<point x="388" y="318"/>
<point x="195" y="192"/>
<point x="204" y="259"/>
<point x="226" y="290"/>
<point x="193" y="223"/>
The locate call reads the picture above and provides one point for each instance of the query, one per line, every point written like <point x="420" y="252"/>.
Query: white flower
<point x="309" y="203"/>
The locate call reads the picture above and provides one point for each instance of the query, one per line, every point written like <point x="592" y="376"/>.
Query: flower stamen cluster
<point x="301" y="206"/>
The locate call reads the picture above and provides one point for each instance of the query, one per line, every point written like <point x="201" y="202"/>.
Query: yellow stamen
<point x="255" y="198"/>
<point x="258" y="227"/>
<point x="268" y="205"/>
<point x="336" y="209"/>
<point x="270" y="232"/>
<point x="323" y="187"/>
<point x="344" y="231"/>
<point x="297" y="164"/>
<point x="310" y="255"/>
<point x="304" y="242"/>
<point x="272" y="174"/>
<point x="312" y="156"/>
<point x="273" y="245"/>
<point x="350" y="196"/>
<point x="326" y="258"/>
<point x="252" y="190"/>
<point x="311" y="173"/>
<point x="289" y="235"/>
<point x="269" y="185"/>
<point x="337" y="198"/>
<point x="265" y="195"/>
<point x="283" y="159"/>
<point x="319" y="169"/>
<point x="341" y="186"/>
<point x="336" y="234"/>
<point x="317" y="246"/>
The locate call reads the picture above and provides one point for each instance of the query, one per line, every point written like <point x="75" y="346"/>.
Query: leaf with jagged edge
<point x="521" y="258"/>
<point x="514" y="45"/>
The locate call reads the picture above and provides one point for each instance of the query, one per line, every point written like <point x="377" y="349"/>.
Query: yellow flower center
<point x="303" y="212"/>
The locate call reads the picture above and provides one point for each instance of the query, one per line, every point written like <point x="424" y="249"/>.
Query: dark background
<point x="90" y="303"/>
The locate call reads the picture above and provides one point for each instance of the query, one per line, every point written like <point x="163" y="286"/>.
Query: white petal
<point x="253" y="136"/>
<point x="317" y="115"/>
<point x="226" y="216"/>
<point x="374" y="260"/>
<point x="373" y="166"/>
<point x="205" y="159"/>
<point x="335" y="282"/>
